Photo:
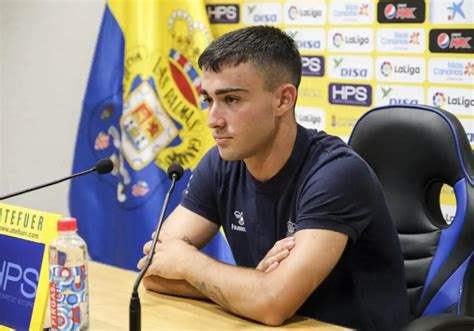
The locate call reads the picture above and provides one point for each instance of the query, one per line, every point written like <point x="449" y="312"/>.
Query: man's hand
<point x="276" y="254"/>
<point x="170" y="257"/>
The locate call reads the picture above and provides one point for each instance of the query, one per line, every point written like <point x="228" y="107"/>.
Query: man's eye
<point x="230" y="100"/>
<point x="206" y="100"/>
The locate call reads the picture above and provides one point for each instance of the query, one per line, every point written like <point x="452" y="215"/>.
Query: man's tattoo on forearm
<point x="215" y="295"/>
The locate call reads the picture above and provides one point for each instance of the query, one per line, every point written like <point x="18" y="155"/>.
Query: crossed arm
<point x="268" y="297"/>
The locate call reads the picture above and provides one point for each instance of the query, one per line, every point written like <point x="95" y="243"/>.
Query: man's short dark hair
<point x="270" y="50"/>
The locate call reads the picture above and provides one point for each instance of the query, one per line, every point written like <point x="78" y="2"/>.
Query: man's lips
<point x="222" y="139"/>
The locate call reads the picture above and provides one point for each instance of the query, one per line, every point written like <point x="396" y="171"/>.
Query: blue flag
<point x="142" y="109"/>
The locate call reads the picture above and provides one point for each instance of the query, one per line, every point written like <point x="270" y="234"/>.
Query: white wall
<point x="46" y="50"/>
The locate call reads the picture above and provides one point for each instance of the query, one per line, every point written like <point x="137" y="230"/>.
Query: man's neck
<point x="268" y="163"/>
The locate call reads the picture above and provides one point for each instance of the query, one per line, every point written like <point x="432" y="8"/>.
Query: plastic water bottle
<point x="68" y="283"/>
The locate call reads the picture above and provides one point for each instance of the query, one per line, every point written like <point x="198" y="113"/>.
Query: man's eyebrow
<point x="226" y="90"/>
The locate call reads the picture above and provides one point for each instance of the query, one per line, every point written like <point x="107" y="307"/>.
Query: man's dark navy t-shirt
<point x="323" y="185"/>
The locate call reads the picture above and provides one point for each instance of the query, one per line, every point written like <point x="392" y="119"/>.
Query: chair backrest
<point x="414" y="150"/>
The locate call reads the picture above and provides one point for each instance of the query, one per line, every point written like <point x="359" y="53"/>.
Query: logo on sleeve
<point x="239" y="219"/>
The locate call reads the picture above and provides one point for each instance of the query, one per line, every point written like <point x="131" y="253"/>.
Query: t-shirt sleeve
<point x="338" y="196"/>
<point x="200" y="195"/>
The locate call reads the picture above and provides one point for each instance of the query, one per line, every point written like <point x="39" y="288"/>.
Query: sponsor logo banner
<point x="400" y="40"/>
<point x="399" y="95"/>
<point x="262" y="13"/>
<point x="354" y="12"/>
<point x="451" y="12"/>
<point x="311" y="91"/>
<point x="351" y="67"/>
<point x="223" y="14"/>
<point x="459" y="101"/>
<point x="307" y="13"/>
<point x="310" y="117"/>
<point x="400" y="69"/>
<point x="409" y="11"/>
<point x="360" y="40"/>
<point x="308" y="39"/>
<point x="350" y="94"/>
<point x="468" y="125"/>
<point x="452" y="41"/>
<point x="451" y="71"/>
<point x="312" y="65"/>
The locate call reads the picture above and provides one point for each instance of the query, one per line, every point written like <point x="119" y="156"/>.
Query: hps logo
<point x="350" y="94"/>
<point x="223" y="14"/>
<point x="312" y="65"/>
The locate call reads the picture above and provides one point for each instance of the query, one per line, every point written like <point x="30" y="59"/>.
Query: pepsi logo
<point x="443" y="40"/>
<point x="390" y="11"/>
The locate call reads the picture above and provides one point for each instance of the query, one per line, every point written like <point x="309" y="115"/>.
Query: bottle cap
<point x="67" y="224"/>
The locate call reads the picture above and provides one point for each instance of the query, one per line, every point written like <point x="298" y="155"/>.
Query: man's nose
<point x="215" y="119"/>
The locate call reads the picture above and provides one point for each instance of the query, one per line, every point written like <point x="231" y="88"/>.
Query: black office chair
<point x="414" y="150"/>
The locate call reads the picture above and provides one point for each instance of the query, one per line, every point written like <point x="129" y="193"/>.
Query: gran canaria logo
<point x="162" y="120"/>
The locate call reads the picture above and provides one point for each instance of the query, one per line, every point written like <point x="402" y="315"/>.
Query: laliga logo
<point x="401" y="11"/>
<point x="338" y="40"/>
<point x="386" y="68"/>
<point x="439" y="100"/>
<point x="293" y="12"/>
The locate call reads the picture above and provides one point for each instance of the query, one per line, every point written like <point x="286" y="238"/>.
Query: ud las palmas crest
<point x="163" y="120"/>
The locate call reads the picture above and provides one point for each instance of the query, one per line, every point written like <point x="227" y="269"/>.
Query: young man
<point x="305" y="217"/>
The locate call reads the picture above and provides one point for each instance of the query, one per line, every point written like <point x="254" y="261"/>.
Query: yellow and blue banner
<point x="142" y="109"/>
<point x="25" y="235"/>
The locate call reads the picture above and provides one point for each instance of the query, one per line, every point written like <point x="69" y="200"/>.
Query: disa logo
<point x="262" y="13"/>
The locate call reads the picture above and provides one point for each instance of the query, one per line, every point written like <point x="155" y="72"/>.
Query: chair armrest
<point x="441" y="322"/>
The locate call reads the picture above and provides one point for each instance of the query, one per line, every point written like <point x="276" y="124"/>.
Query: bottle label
<point x="68" y="297"/>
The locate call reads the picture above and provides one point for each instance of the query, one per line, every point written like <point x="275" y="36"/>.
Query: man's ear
<point x="285" y="99"/>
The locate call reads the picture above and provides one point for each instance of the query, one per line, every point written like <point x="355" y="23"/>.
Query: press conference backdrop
<point x="359" y="54"/>
<point x="355" y="56"/>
